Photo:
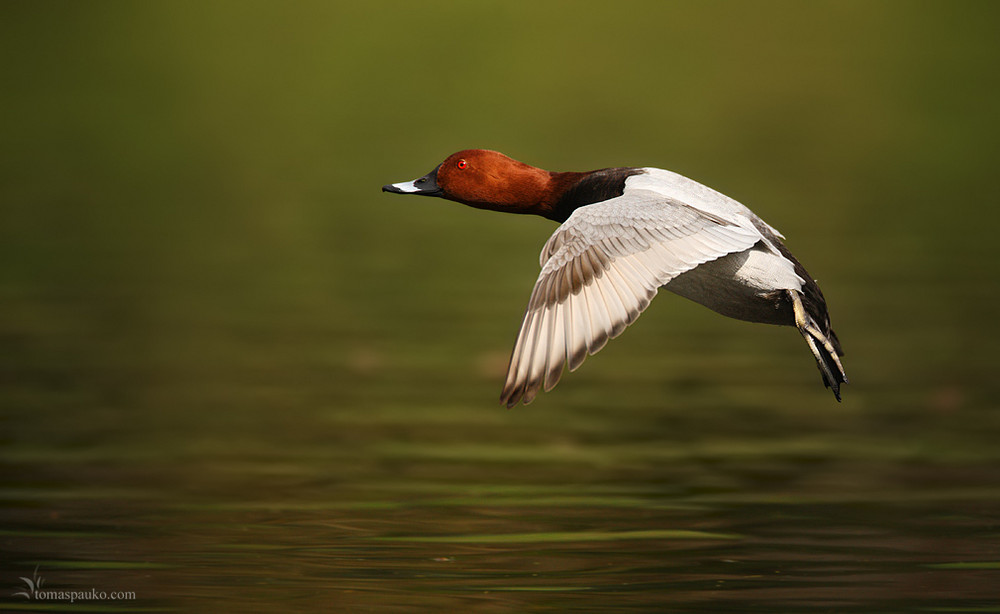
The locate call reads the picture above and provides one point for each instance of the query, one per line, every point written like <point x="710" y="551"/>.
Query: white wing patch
<point x="600" y="270"/>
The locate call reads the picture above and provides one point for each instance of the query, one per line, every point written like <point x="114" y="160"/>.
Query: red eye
<point x="462" y="164"/>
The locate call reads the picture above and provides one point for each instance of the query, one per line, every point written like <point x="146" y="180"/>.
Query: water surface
<point x="235" y="377"/>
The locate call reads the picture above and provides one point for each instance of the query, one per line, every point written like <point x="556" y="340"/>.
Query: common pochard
<point x="626" y="232"/>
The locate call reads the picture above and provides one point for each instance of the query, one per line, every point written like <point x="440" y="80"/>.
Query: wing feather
<point x="600" y="270"/>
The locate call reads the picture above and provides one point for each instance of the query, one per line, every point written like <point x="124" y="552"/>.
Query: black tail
<point x="813" y="321"/>
<point x="828" y="363"/>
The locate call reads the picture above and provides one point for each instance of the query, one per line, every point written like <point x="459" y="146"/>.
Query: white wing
<point x="600" y="269"/>
<point x="697" y="195"/>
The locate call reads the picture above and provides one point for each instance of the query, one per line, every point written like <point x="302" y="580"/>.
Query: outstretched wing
<point x="600" y="269"/>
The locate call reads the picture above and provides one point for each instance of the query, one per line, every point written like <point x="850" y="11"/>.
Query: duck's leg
<point x="826" y="355"/>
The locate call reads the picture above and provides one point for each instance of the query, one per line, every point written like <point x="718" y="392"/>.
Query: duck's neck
<point x="549" y="194"/>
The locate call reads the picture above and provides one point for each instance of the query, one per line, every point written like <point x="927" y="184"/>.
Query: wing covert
<point x="600" y="270"/>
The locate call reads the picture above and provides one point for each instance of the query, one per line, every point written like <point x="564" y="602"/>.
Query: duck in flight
<point x="626" y="232"/>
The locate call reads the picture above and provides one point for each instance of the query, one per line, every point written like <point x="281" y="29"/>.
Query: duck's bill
<point x="425" y="186"/>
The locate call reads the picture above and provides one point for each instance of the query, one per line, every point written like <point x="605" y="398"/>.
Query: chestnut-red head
<point x="484" y="179"/>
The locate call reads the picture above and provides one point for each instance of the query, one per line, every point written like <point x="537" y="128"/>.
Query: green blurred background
<point x="205" y="300"/>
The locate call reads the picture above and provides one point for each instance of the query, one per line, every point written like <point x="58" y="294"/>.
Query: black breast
<point x="593" y="187"/>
